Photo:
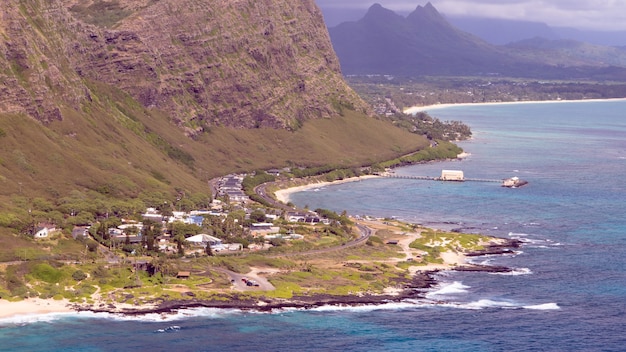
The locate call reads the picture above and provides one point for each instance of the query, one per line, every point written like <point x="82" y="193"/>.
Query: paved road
<point x="365" y="233"/>
<point x="261" y="190"/>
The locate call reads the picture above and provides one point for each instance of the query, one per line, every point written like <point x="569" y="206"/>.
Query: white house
<point x="263" y="229"/>
<point x="44" y="229"/>
<point x="204" y="240"/>
<point x="152" y="214"/>
<point x="42" y="232"/>
<point x="293" y="216"/>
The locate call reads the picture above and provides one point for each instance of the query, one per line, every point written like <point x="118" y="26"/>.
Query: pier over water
<point x="458" y="176"/>
<point x="430" y="178"/>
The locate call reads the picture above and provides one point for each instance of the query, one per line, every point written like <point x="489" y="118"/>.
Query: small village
<point x="252" y="228"/>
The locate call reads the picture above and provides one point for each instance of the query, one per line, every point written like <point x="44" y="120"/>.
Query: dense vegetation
<point x="434" y="129"/>
<point x="443" y="150"/>
<point x="406" y="92"/>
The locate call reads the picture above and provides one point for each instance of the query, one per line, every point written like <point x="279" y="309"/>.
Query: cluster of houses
<point x="386" y="107"/>
<point x="230" y="187"/>
<point x="131" y="231"/>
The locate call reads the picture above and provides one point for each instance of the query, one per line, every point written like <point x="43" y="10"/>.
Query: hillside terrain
<point x="124" y="98"/>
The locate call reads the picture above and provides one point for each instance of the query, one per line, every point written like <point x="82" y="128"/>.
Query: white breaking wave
<point x="449" y="289"/>
<point x="35" y="318"/>
<point x="218" y="313"/>
<point x="172" y="328"/>
<point x="487" y="303"/>
<point x="534" y="242"/>
<point x="517" y="235"/>
<point x="364" y="308"/>
<point x="480" y="260"/>
<point x="516" y="272"/>
<point x="545" y="306"/>
<point x="149" y="317"/>
<point x="177" y="315"/>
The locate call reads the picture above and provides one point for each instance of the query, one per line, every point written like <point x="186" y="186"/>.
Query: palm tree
<point x="179" y="239"/>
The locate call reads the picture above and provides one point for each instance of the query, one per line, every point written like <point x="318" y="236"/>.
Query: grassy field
<point x="371" y="268"/>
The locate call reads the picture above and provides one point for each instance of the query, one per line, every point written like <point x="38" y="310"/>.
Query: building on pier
<point x="452" y="175"/>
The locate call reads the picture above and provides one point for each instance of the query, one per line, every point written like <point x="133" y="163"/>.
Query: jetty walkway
<point x="430" y="178"/>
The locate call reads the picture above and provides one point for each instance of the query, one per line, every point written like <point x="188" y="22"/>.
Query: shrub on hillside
<point x="45" y="272"/>
<point x="79" y="275"/>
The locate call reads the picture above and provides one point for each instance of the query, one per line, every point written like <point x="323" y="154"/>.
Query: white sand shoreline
<point x="415" y="109"/>
<point x="284" y="194"/>
<point x="32" y="307"/>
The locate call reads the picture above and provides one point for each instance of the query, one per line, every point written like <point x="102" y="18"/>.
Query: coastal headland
<point x="370" y="261"/>
<point x="389" y="261"/>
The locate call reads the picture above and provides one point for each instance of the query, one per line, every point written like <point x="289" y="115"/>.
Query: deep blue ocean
<point x="567" y="292"/>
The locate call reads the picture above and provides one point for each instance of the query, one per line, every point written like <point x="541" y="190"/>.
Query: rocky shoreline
<point x="412" y="289"/>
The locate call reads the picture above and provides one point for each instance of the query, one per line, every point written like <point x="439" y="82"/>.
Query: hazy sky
<point x="582" y="14"/>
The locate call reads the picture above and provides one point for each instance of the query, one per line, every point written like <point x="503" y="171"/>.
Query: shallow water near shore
<point x="567" y="291"/>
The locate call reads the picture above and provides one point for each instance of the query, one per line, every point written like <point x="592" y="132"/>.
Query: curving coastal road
<point x="239" y="281"/>
<point x="365" y="232"/>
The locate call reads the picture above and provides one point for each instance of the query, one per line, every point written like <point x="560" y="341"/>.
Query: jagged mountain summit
<point x="237" y="63"/>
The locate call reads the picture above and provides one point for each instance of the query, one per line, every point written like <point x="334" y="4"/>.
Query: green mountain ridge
<point x="126" y="98"/>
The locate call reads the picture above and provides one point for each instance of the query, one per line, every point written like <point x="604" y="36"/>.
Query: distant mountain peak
<point x="427" y="12"/>
<point x="429" y="7"/>
<point x="379" y="16"/>
<point x="426" y="43"/>
<point x="429" y="44"/>
<point x="377" y="11"/>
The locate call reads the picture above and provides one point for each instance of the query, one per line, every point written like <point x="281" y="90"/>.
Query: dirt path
<point x="258" y="283"/>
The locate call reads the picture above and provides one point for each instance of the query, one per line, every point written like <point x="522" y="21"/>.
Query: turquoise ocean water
<point x="567" y="292"/>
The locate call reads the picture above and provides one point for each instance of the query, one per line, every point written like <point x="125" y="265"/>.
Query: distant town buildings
<point x="230" y="186"/>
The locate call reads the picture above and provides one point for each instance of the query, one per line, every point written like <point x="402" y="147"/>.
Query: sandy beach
<point x="33" y="306"/>
<point x="415" y="109"/>
<point x="283" y="194"/>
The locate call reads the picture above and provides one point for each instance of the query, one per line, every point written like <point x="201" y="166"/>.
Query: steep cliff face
<point x="35" y="73"/>
<point x="236" y="63"/>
